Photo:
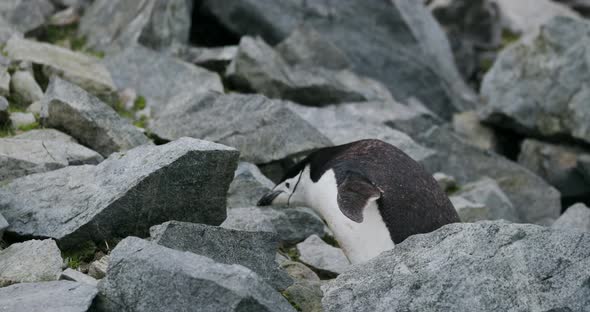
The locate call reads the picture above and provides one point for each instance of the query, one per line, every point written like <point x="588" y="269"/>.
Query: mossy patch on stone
<point x="83" y="254"/>
<point x="291" y="301"/>
<point x="28" y="127"/>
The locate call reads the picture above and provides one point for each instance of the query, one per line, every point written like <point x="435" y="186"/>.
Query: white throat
<point x="359" y="241"/>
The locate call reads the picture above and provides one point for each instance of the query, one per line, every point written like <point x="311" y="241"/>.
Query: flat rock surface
<point x="464" y="267"/>
<point x="59" y="296"/>
<point x="318" y="254"/>
<point x="20" y="157"/>
<point x="124" y="195"/>
<point x="88" y="119"/>
<point x="134" y="67"/>
<point x="263" y="130"/>
<point x="30" y="261"/>
<point x="198" y="282"/>
<point x="292" y="224"/>
<point x="81" y="69"/>
<point x="254" y="250"/>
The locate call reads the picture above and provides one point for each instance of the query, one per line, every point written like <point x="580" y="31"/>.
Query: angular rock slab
<point x="26" y="15"/>
<point x="109" y="24"/>
<point x="77" y="276"/>
<point x="395" y="42"/>
<point x="30" y="261"/>
<point x="59" y="296"/>
<point x="136" y="67"/>
<point x="291" y="224"/>
<point x="248" y="186"/>
<point x="81" y="69"/>
<point x="318" y="254"/>
<point x="254" y="250"/>
<point x="486" y="266"/>
<point x="184" y="180"/>
<point x="306" y="47"/>
<point x="470" y="211"/>
<point x="487" y="192"/>
<point x="526" y="17"/>
<point x="257" y="67"/>
<point x="520" y="90"/>
<point x="144" y="276"/>
<point x="88" y="119"/>
<point x="20" y="157"/>
<point x="576" y="217"/>
<point x="263" y="130"/>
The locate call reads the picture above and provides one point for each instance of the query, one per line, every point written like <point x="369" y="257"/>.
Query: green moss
<point x="83" y="254"/>
<point x="486" y="64"/>
<point x="290" y="300"/>
<point x="54" y="34"/>
<point x="509" y="37"/>
<point x="6" y="131"/>
<point x="292" y="253"/>
<point x="141" y="123"/>
<point x="330" y="240"/>
<point x="139" y="103"/>
<point x="28" y="127"/>
<point x="16" y="108"/>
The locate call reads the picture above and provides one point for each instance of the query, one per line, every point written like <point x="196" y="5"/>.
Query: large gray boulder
<point x="30" y="261"/>
<point x="486" y="266"/>
<point x="534" y="199"/>
<point x="92" y="122"/>
<point x="343" y="124"/>
<point x="26" y="15"/>
<point x="470" y="211"/>
<point x="391" y="41"/>
<point x="257" y="67"/>
<point x="20" y="157"/>
<point x="487" y="192"/>
<point x="520" y="91"/>
<point x="25" y="90"/>
<point x="254" y="250"/>
<point x="113" y="24"/>
<point x="141" y="274"/>
<point x="291" y="224"/>
<point x="135" y="68"/>
<point x="575" y="218"/>
<point x="306" y="47"/>
<point x="184" y="180"/>
<point x="79" y="68"/>
<point x="248" y="186"/>
<point x="59" y="296"/>
<point x="558" y="165"/>
<point x="263" y="130"/>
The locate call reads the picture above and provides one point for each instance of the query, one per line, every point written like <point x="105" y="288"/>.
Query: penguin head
<point x="289" y="191"/>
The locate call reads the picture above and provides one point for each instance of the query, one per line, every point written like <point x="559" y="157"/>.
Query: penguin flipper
<point x="355" y="192"/>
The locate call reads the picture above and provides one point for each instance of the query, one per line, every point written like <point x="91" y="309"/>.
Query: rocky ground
<point x="137" y="136"/>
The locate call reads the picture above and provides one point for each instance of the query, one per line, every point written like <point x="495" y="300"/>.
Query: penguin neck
<point x="359" y="241"/>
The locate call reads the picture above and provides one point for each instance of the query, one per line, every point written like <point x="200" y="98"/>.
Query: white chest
<point x="359" y="241"/>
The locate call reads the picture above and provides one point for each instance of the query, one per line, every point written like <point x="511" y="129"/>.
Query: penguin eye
<point x="287" y="185"/>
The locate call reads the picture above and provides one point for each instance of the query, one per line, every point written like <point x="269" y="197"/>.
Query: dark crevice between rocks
<point x="207" y="31"/>
<point x="509" y="143"/>
<point x="567" y="202"/>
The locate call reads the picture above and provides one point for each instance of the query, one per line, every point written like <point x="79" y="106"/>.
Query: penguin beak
<point x="267" y="199"/>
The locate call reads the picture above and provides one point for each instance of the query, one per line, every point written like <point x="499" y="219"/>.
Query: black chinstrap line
<point x="294" y="189"/>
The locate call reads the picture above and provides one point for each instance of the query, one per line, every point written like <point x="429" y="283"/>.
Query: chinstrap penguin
<point x="370" y="193"/>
